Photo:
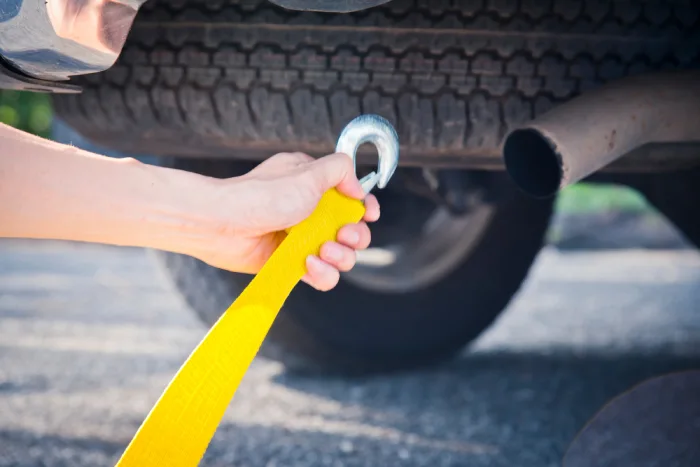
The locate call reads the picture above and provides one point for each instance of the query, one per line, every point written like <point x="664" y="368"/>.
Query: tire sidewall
<point x="360" y="330"/>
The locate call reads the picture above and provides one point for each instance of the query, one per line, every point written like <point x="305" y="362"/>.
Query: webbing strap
<point x="180" y="426"/>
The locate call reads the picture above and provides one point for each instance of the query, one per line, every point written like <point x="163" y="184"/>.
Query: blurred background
<point x="27" y="111"/>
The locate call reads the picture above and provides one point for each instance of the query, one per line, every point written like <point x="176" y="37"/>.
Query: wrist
<point x="183" y="211"/>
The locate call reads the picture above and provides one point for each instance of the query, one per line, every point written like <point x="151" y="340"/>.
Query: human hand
<point x="253" y="211"/>
<point x="63" y="193"/>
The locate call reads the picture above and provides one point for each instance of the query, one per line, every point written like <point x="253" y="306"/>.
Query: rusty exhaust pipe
<point x="585" y="134"/>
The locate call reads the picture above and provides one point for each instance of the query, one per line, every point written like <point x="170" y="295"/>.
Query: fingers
<point x="356" y="236"/>
<point x="371" y="209"/>
<point x="320" y="275"/>
<point x="339" y="256"/>
<point x="323" y="271"/>
<point x="333" y="171"/>
<point x="336" y="171"/>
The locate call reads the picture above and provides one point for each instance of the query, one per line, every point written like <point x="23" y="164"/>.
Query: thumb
<point x="336" y="171"/>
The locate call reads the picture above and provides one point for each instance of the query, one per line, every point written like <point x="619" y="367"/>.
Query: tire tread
<point x="404" y="60"/>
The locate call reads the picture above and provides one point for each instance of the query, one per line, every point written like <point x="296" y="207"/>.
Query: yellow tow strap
<point x="180" y="426"/>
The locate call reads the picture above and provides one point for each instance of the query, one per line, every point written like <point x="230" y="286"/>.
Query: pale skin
<point x="53" y="191"/>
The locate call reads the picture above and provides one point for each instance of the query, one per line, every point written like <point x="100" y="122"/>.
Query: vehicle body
<point x="215" y="86"/>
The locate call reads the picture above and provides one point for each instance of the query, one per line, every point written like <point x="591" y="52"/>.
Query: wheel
<point x="204" y="77"/>
<point x="430" y="283"/>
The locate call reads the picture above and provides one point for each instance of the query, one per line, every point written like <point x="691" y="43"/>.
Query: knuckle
<point x="342" y="161"/>
<point x="292" y="158"/>
<point x="302" y="157"/>
<point x="313" y="181"/>
<point x="347" y="162"/>
<point x="280" y="156"/>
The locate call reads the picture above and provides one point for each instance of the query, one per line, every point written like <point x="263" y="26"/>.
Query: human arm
<point x="53" y="191"/>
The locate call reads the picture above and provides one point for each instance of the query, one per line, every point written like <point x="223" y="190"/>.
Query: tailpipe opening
<point x="585" y="134"/>
<point x="533" y="163"/>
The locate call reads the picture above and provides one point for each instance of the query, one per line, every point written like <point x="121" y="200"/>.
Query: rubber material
<point x="205" y="77"/>
<point x="353" y="330"/>
<point x="180" y="426"/>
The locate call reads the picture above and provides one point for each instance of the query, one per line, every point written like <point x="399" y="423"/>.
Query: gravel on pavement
<point x="90" y="335"/>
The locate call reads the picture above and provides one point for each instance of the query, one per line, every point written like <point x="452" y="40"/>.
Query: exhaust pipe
<point x="585" y="134"/>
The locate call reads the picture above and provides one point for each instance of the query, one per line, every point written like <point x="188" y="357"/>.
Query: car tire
<point x="360" y="327"/>
<point x="210" y="78"/>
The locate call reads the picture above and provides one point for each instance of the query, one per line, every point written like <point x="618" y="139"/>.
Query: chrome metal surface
<point x="443" y="242"/>
<point x="378" y="131"/>
<point x="589" y="132"/>
<point x="57" y="39"/>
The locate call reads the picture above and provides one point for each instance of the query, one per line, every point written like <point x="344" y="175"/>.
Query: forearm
<point x="52" y="191"/>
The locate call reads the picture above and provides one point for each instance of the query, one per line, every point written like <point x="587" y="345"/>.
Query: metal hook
<point x="379" y="132"/>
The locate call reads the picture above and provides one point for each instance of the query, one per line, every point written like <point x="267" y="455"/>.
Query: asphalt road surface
<point x="89" y="336"/>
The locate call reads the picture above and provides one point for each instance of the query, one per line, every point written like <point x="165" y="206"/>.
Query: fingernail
<point x="333" y="252"/>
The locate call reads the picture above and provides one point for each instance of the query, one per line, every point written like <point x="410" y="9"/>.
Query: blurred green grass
<point x="586" y="198"/>
<point x="27" y="111"/>
<point x="32" y="112"/>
